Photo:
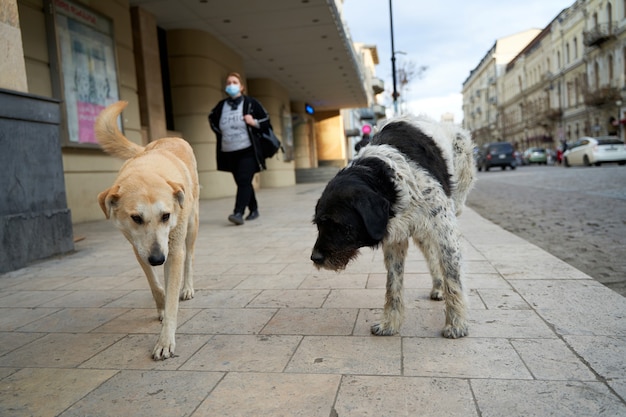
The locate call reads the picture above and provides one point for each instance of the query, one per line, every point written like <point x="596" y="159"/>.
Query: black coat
<point x="250" y="106"/>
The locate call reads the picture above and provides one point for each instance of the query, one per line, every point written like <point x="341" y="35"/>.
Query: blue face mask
<point x="232" y="90"/>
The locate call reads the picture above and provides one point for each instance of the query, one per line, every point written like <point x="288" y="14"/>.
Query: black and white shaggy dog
<point x="410" y="182"/>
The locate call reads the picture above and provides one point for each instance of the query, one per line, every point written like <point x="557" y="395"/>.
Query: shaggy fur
<point x="411" y="182"/>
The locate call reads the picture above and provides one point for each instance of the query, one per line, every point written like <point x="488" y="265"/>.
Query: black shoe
<point x="253" y="215"/>
<point x="236" y="218"/>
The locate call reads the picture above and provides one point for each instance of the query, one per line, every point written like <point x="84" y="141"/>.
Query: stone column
<point x="12" y="66"/>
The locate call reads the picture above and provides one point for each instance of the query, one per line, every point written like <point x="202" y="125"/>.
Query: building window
<point x="85" y="75"/>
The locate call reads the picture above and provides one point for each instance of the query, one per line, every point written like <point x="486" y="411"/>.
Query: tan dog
<point x="154" y="202"/>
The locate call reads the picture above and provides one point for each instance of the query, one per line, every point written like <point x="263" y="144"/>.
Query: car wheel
<point x="586" y="161"/>
<point x="621" y="163"/>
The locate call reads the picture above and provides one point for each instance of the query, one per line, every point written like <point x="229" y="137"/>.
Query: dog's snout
<point x="157" y="257"/>
<point x="317" y="257"/>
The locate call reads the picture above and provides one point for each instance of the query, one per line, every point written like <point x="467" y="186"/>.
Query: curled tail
<point x="109" y="136"/>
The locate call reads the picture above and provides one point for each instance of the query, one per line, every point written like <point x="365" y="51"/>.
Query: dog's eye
<point x="137" y="218"/>
<point x="165" y="217"/>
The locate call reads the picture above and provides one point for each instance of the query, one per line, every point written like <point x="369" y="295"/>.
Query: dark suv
<point x="496" y="154"/>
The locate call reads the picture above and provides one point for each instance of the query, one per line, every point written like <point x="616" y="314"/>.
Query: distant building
<point x="567" y="81"/>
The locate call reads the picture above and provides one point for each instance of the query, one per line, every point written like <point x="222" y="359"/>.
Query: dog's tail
<point x="109" y="136"/>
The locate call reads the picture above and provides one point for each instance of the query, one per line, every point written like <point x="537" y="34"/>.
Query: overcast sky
<point x="449" y="37"/>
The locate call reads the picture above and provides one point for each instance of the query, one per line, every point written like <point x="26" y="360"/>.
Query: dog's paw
<point x="186" y="293"/>
<point x="163" y="350"/>
<point x="161" y="313"/>
<point x="436" y="294"/>
<point x="455" y="332"/>
<point x="380" y="329"/>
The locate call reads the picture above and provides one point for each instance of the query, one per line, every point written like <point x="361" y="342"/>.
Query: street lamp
<point x="618" y="103"/>
<point x="393" y="64"/>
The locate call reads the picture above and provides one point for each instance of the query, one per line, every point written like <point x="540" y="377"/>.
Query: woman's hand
<point x="250" y="120"/>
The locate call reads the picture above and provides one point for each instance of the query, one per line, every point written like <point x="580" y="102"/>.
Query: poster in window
<point x="88" y="67"/>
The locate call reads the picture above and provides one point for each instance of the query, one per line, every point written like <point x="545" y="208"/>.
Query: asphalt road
<point x="578" y="214"/>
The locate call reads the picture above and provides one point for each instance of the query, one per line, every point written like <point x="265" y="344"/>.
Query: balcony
<point x="379" y="111"/>
<point x="602" y="96"/>
<point x="553" y="114"/>
<point x="378" y="85"/>
<point x="599" y="34"/>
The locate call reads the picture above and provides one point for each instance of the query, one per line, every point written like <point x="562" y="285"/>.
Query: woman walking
<point x="238" y="120"/>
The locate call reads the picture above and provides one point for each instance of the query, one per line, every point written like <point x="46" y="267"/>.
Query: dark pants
<point x="244" y="168"/>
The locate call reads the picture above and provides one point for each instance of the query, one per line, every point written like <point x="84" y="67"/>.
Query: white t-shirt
<point x="234" y="131"/>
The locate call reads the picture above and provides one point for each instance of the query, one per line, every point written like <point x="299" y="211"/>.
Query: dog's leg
<point x="445" y="245"/>
<point x="155" y="286"/>
<point x="174" y="266"/>
<point x="187" y="292"/>
<point x="395" y="254"/>
<point x="434" y="267"/>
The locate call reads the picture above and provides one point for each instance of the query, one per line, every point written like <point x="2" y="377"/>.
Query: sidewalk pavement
<point x="269" y="335"/>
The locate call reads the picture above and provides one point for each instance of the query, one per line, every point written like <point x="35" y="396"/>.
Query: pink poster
<point x="87" y="114"/>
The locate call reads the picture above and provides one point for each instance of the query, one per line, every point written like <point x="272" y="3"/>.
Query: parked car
<point x="535" y="156"/>
<point x="595" y="151"/>
<point x="496" y="154"/>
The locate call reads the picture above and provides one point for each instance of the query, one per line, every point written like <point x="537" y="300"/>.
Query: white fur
<point x="419" y="196"/>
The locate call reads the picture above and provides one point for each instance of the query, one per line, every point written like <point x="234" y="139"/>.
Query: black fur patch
<point x="418" y="147"/>
<point x="378" y="175"/>
<point x="353" y="212"/>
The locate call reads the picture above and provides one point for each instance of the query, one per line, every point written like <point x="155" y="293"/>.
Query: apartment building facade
<point x="565" y="82"/>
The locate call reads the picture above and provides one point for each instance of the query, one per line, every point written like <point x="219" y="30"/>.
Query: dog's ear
<point x="179" y="192"/>
<point x="108" y="199"/>
<point x="374" y="211"/>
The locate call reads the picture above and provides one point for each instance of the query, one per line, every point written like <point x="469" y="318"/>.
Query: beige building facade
<point x="565" y="82"/>
<point x="483" y="89"/>
<point x="170" y="62"/>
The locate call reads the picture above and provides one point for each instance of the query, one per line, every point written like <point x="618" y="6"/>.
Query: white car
<point x="595" y="151"/>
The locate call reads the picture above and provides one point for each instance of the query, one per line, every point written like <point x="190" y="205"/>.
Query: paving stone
<point x="59" y="350"/>
<point x="290" y="298"/>
<point x="404" y="396"/>
<point x="14" y="340"/>
<point x="347" y="355"/>
<point x="263" y="282"/>
<point x="462" y="358"/>
<point x="30" y="299"/>
<point x="14" y="318"/>
<point x="312" y="321"/>
<point x="47" y="392"/>
<point x="142" y="320"/>
<point x="605" y="354"/>
<point x="271" y="394"/>
<point x="502" y="299"/>
<point x="551" y="359"/>
<point x="147" y="393"/>
<point x="260" y="353"/>
<point x="545" y="398"/>
<point x="135" y="352"/>
<point x="73" y="320"/>
<point x="335" y="280"/>
<point x="228" y="321"/>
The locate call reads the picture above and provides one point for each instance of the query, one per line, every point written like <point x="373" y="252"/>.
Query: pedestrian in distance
<point x="238" y="121"/>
